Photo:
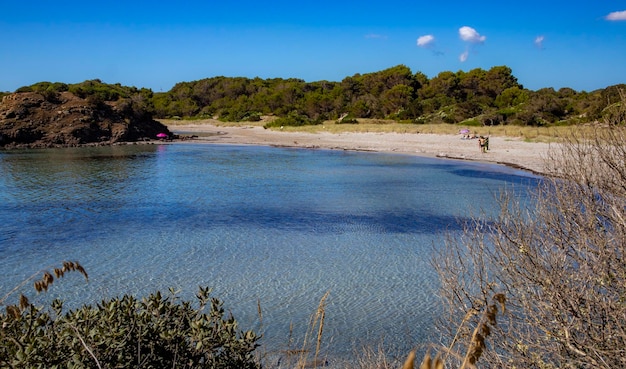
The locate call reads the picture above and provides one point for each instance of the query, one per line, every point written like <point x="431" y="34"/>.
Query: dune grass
<point x="527" y="133"/>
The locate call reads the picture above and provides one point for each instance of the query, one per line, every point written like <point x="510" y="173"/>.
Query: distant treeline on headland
<point x="475" y="98"/>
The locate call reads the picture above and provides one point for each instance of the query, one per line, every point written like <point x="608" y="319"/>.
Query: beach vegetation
<point x="557" y="257"/>
<point x="44" y="86"/>
<point x="294" y="119"/>
<point x="157" y="331"/>
<point x="471" y="123"/>
<point x="493" y="96"/>
<point x="347" y="119"/>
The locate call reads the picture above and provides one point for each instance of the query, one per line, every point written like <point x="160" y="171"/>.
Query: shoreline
<point x="507" y="151"/>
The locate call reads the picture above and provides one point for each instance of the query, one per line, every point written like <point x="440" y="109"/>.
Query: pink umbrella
<point x="162" y="135"/>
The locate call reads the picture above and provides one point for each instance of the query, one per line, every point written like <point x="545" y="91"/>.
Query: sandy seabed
<point x="515" y="152"/>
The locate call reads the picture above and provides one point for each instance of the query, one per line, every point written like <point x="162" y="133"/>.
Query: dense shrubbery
<point x="347" y="119"/>
<point x="92" y="89"/>
<point x="491" y="97"/>
<point x="240" y="116"/>
<point x="292" y="120"/>
<point x="130" y="100"/>
<point x="154" y="332"/>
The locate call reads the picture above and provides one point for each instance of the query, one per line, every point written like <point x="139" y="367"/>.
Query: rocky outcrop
<point x="32" y="119"/>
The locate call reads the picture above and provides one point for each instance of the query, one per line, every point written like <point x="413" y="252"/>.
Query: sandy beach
<point x="502" y="150"/>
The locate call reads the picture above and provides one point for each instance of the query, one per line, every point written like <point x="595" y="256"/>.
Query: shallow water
<point x="270" y="226"/>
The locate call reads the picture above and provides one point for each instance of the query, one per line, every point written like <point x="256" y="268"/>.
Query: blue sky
<point x="156" y="44"/>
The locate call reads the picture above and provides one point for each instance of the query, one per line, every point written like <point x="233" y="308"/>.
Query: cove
<point x="262" y="226"/>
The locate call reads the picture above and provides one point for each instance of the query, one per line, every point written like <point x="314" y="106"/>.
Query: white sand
<point x="502" y="150"/>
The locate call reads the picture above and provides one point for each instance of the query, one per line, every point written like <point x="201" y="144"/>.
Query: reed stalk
<point x="317" y="321"/>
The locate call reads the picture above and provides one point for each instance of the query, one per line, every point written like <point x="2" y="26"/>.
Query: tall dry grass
<point x="532" y="134"/>
<point x="314" y="332"/>
<point x="42" y="284"/>
<point x="558" y="255"/>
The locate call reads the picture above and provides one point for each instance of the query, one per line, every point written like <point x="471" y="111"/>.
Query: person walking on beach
<point x="481" y="144"/>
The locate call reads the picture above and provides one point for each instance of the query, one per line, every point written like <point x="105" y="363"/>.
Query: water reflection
<point x="275" y="226"/>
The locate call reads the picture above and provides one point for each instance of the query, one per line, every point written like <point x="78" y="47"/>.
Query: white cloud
<point x="426" y="40"/>
<point x="463" y="57"/>
<point x="539" y="41"/>
<point x="470" y="35"/>
<point x="616" y="16"/>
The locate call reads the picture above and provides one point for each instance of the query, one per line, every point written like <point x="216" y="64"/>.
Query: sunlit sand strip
<point x="509" y="151"/>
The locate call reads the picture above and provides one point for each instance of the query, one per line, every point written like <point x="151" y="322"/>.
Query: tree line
<point x="474" y="98"/>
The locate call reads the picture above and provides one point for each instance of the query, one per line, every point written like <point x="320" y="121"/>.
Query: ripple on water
<point x="264" y="226"/>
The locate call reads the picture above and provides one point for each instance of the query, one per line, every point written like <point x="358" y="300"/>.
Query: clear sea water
<point x="277" y="227"/>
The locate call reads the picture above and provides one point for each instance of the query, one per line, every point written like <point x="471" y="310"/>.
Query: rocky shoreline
<point x="39" y="120"/>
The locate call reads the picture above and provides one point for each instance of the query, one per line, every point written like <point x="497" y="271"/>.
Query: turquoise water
<point x="270" y="226"/>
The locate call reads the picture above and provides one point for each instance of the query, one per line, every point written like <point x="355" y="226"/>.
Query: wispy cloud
<point x="470" y="35"/>
<point x="376" y="36"/>
<point x="616" y="16"/>
<point x="463" y="56"/>
<point x="425" y="41"/>
<point x="539" y="41"/>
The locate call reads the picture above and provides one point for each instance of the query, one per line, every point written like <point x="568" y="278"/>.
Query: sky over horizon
<point x="154" y="44"/>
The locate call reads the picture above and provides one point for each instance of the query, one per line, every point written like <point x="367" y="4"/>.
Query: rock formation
<point x="33" y="120"/>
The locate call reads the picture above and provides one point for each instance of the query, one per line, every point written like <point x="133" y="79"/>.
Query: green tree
<point x="498" y="79"/>
<point x="512" y="96"/>
<point x="396" y="99"/>
<point x="445" y="84"/>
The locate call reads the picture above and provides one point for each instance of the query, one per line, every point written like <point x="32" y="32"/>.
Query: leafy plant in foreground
<point x="154" y="332"/>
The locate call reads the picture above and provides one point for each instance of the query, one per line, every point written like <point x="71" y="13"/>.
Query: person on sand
<point x="482" y="142"/>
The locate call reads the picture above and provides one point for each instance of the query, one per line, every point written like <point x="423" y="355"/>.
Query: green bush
<point x="154" y="332"/>
<point x="471" y="123"/>
<point x="348" y="119"/>
<point x="253" y="117"/>
<point x="236" y="115"/>
<point x="294" y="120"/>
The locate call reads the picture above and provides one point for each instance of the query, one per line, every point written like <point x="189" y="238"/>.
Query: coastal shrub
<point x="252" y="117"/>
<point x="348" y="119"/>
<point x="100" y="90"/>
<point x="44" y="86"/>
<point x="237" y="115"/>
<point x="558" y="258"/>
<point x="293" y="119"/>
<point x="50" y="95"/>
<point x="471" y="123"/>
<point x="154" y="332"/>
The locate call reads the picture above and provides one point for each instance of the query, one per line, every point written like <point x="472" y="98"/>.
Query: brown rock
<point x="31" y="119"/>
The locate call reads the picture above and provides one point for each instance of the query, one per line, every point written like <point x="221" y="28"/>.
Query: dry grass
<point x="315" y="325"/>
<point x="47" y="279"/>
<point x="370" y="358"/>
<point x="373" y="358"/>
<point x="215" y="122"/>
<point x="532" y="134"/>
